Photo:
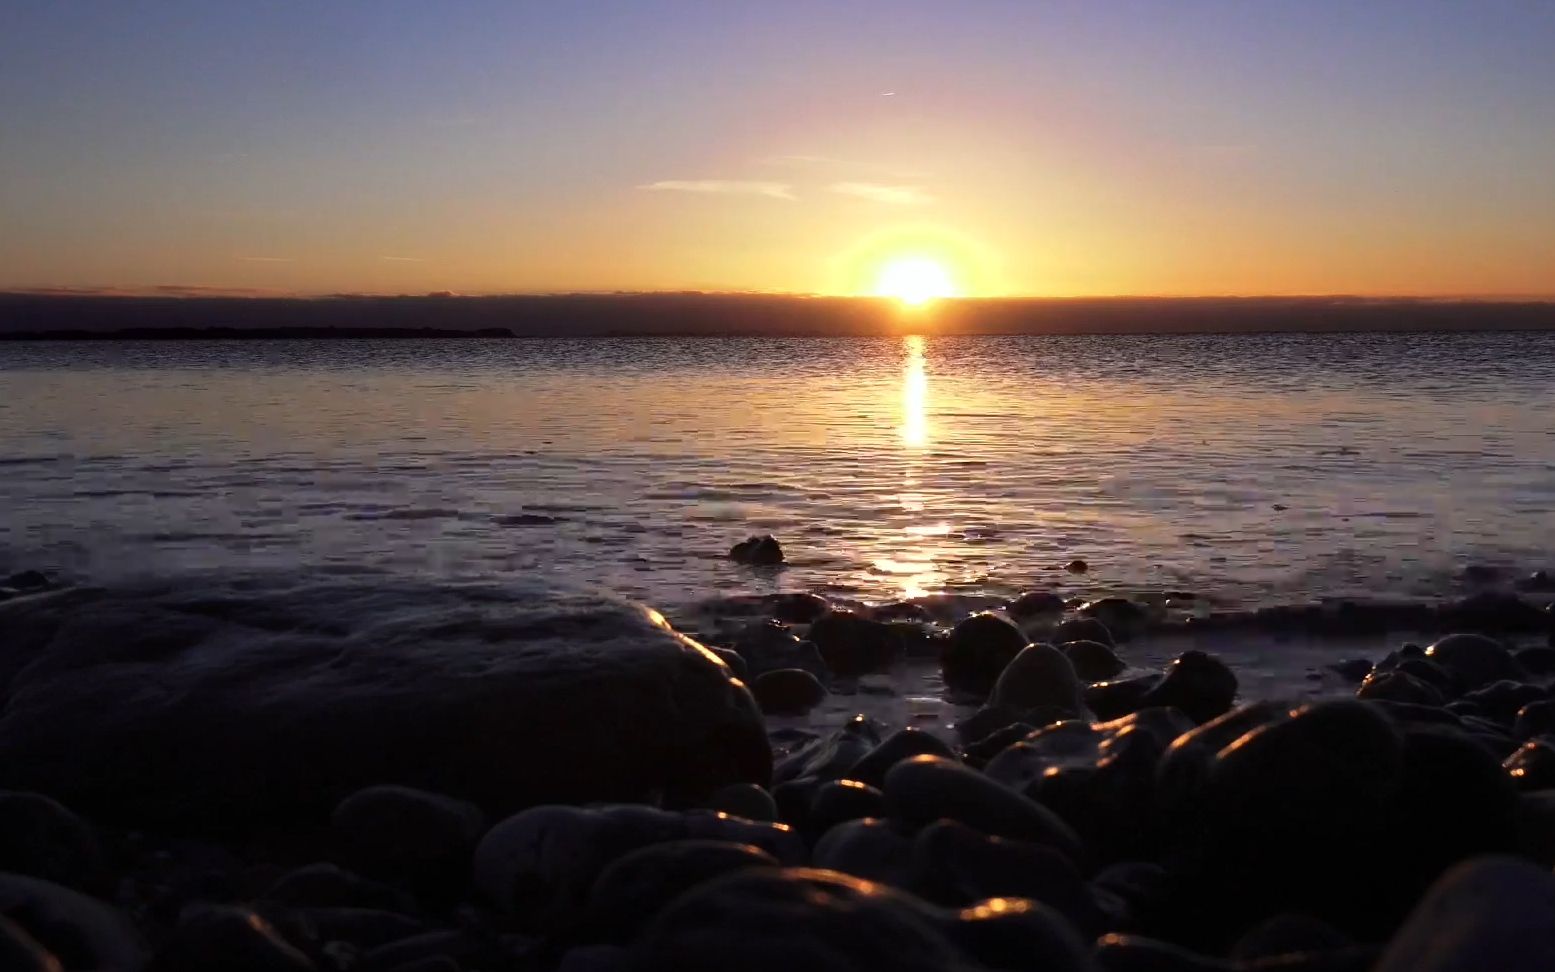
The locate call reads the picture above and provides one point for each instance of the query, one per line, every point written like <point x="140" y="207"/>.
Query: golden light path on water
<point x="914" y="567"/>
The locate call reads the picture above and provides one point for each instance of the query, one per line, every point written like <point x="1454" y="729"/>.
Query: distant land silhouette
<point x="26" y="315"/>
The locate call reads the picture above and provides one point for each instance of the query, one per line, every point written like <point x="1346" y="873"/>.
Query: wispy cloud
<point x="842" y="167"/>
<point x="403" y="259"/>
<point x="891" y="195"/>
<point x="267" y="259"/>
<point x="735" y="187"/>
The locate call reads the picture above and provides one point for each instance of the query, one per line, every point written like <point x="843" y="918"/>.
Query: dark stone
<point x="631" y="892"/>
<point x="1083" y="629"/>
<point x="853" y="645"/>
<point x="395" y="833"/>
<point x="325" y="885"/>
<point x="1018" y="935"/>
<point x="1077" y="566"/>
<point x="1111" y="700"/>
<point x="1429" y="672"/>
<point x="1486" y="913"/>
<point x="927" y="788"/>
<point x="1198" y="685"/>
<point x="954" y="865"/>
<point x="1474" y="659"/>
<point x="1136" y="953"/>
<point x="1397" y="686"/>
<point x="900" y="745"/>
<point x="869" y="848"/>
<point x="977" y="650"/>
<point x="1537" y="661"/>
<point x="465" y="949"/>
<point x="1501" y="701"/>
<point x="838" y="801"/>
<point x="1092" y="660"/>
<point x="81" y="932"/>
<point x="1121" y="616"/>
<point x="770" y="646"/>
<point x="798" y="607"/>
<point x="361" y="927"/>
<point x="1539" y="582"/>
<point x="279" y="699"/>
<point x="1130" y="892"/>
<point x="1481" y="574"/>
<point x="978" y="753"/>
<point x="1034" y="603"/>
<point x="787" y="691"/>
<point x="231" y="939"/>
<point x="735" y="661"/>
<point x="762" y="551"/>
<point x="1534" y="719"/>
<point x="1040" y="677"/>
<point x="42" y="839"/>
<point x="1288" y="934"/>
<point x="744" y="800"/>
<point x="1185" y="767"/>
<point x="20" y="952"/>
<point x="764" y="920"/>
<point x="1352" y="669"/>
<point x="1532" y="766"/>
<point x="28" y="581"/>
<point x="986" y="721"/>
<point x="1491" y="612"/>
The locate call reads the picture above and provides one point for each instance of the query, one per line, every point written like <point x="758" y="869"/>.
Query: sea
<point x="1244" y="469"/>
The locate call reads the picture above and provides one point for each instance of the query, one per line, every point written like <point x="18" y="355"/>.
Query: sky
<point x="1026" y="148"/>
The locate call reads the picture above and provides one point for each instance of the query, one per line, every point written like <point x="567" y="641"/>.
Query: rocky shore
<point x="359" y="773"/>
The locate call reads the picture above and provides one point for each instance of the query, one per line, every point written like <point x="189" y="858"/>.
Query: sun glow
<point x="915" y="281"/>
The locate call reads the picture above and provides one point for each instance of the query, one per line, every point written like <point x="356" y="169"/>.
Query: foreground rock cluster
<point x="467" y="780"/>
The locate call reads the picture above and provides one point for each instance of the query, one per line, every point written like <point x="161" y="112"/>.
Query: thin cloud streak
<point x="891" y="195"/>
<point x="733" y="187"/>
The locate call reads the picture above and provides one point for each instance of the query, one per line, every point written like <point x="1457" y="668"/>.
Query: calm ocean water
<point x="1248" y="468"/>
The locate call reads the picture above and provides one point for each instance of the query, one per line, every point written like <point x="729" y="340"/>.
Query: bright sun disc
<point x="914" y="281"/>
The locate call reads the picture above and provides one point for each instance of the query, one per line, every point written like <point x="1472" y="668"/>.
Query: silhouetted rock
<point x="1092" y="660"/>
<point x="762" y="551"/>
<point x="28" y="581"/>
<point x="42" y="839"/>
<point x="1397" y="686"/>
<point x="955" y="865"/>
<point x="853" y="645"/>
<point x="1197" y="684"/>
<point x="1487" y="913"/>
<point x="1040" y="676"/>
<point x="396" y="833"/>
<point x="743" y="800"/>
<point x="325" y="885"/>
<point x="257" y="703"/>
<point x="927" y="788"/>
<point x="20" y="952"/>
<point x="633" y="890"/>
<point x="1110" y="700"/>
<point x="234" y="938"/>
<point x="82" y="932"/>
<point x="977" y="650"/>
<point x="1035" y="603"/>
<point x="831" y="756"/>
<point x="1532" y="766"/>
<point x="868" y="847"/>
<point x="838" y="801"/>
<point x="900" y="745"/>
<point x="1083" y="629"/>
<point x="787" y="691"/>
<point x="1077" y="566"/>
<point x="770" y="645"/>
<point x="1121" y="616"/>
<point x="1474" y="660"/>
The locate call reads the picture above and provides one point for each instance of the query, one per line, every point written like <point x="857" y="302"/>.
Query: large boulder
<point x="257" y="701"/>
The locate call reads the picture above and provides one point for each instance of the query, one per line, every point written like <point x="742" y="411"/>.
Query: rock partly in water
<point x="852" y="645"/>
<point x="1197" y="684"/>
<point x="255" y="702"/>
<point x="1034" y="604"/>
<point x="1040" y="676"/>
<point x="762" y="551"/>
<point x="1083" y="629"/>
<point x="978" y="649"/>
<point x="1122" y="617"/>
<point x="769" y="645"/>
<point x="787" y="691"/>
<point x="1092" y="660"/>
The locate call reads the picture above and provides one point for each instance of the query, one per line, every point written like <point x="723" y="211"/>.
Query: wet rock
<point x="361" y="927"/>
<point x="1288" y="934"/>
<point x="280" y="699"/>
<point x="832" y="756"/>
<point x="744" y="800"/>
<point x="634" y="889"/>
<point x="988" y="720"/>
<point x="1083" y="629"/>
<point x="1491" y="612"/>
<point x="1481" y="574"/>
<point x="852" y="645"/>
<point x="1486" y="913"/>
<point x="870" y="848"/>
<point x="396" y="833"/>
<point x="1429" y="672"/>
<point x="1534" y="719"/>
<point x="979" y="752"/>
<point x="81" y="932"/>
<point x="787" y="691"/>
<point x="1040" y="676"/>
<point x="326" y="885"/>
<point x="927" y="788"/>
<point x="20" y="952"/>
<point x="1185" y="767"/>
<point x="1136" y="953"/>
<point x="1537" y="661"/>
<point x="1501" y="701"/>
<point x="770" y="646"/>
<point x="1077" y="566"/>
<point x="954" y="865"/>
<point x="1035" y="603"/>
<point x="977" y="650"/>
<point x="838" y="801"/>
<point x="762" y="551"/>
<point x="1129" y="892"/>
<point x="1092" y="660"/>
<point x="735" y="661"/>
<point x="1121" y="616"/>
<point x="1397" y="686"/>
<point x="42" y="839"/>
<point x="28" y="581"/>
<point x="1474" y="660"/>
<point x="1532" y="766"/>
<point x="761" y="920"/>
<point x="466" y="949"/>
<point x="1197" y="684"/>
<point x="1539" y="581"/>
<point x="1019" y="935"/>
<point x="1111" y="700"/>
<point x="228" y="938"/>
<point x="798" y="607"/>
<point x="900" y="745"/>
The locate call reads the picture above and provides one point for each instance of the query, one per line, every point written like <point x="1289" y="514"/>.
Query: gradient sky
<point x="1036" y="148"/>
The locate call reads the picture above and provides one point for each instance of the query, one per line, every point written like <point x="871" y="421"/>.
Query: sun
<point x="914" y="281"/>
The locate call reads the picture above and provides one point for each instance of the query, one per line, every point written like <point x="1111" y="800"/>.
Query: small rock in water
<point x="770" y="645"/>
<point x="1352" y="669"/>
<point x="798" y="607"/>
<point x="1083" y="629"/>
<point x="1110" y="700"/>
<point x="787" y="691"/>
<point x="852" y="645"/>
<point x="1034" y="603"/>
<point x="762" y="551"/>
<point x="1077" y="566"/>
<point x="1397" y="686"/>
<point x="977" y="650"/>
<point x="1197" y="684"/>
<point x="28" y="581"/>
<point x="1120" y="615"/>
<point x="1092" y="660"/>
<point x="1040" y="676"/>
<point x="1481" y="574"/>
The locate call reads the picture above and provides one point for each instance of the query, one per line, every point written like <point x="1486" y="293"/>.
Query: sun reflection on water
<point x="915" y="395"/>
<point x="914" y="565"/>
